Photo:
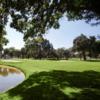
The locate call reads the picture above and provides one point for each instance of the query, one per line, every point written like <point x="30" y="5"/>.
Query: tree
<point x="47" y="48"/>
<point x="63" y="53"/>
<point x="60" y="52"/>
<point x="67" y="54"/>
<point x="3" y="40"/>
<point x="81" y="44"/>
<point x="12" y="53"/>
<point x="92" y="46"/>
<point x="97" y="49"/>
<point x="38" y="47"/>
<point x="33" y="47"/>
<point x="23" y="52"/>
<point x="33" y="17"/>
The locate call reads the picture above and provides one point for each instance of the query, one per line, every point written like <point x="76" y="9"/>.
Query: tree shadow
<point x="98" y="60"/>
<point x="87" y="94"/>
<point x="49" y="86"/>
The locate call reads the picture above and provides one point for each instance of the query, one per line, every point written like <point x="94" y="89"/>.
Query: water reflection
<point x="6" y="71"/>
<point x="9" y="78"/>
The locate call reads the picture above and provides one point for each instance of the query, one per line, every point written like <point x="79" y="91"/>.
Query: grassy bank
<point x="56" y="80"/>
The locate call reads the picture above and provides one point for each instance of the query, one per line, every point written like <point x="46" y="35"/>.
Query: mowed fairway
<point x="56" y="80"/>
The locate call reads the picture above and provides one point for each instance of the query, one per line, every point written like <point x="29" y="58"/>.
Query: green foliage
<point x="63" y="53"/>
<point x="38" y="47"/>
<point x="81" y="44"/>
<point x="36" y="17"/>
<point x="84" y="45"/>
<point x="97" y="46"/>
<point x="3" y="40"/>
<point x="11" y="53"/>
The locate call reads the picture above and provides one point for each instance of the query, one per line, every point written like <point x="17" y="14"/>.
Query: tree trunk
<point x="0" y="54"/>
<point x="84" y="55"/>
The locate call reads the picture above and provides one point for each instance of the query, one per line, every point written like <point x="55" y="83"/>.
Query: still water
<point x="9" y="78"/>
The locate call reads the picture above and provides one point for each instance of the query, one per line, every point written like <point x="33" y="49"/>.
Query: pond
<point x="9" y="78"/>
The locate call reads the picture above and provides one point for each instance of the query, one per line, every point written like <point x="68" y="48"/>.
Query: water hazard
<point x="9" y="78"/>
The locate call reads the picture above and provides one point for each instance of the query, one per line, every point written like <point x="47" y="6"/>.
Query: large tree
<point x="97" y="49"/>
<point x="38" y="47"/>
<point x="81" y="44"/>
<point x="37" y="16"/>
<point x="92" y="46"/>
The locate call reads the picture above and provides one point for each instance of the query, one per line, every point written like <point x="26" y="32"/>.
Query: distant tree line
<point x="36" y="17"/>
<point x="40" y="48"/>
<point x="37" y="48"/>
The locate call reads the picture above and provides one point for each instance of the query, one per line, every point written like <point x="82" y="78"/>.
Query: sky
<point x="62" y="37"/>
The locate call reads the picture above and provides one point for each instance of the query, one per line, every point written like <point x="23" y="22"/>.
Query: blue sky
<point x="62" y="37"/>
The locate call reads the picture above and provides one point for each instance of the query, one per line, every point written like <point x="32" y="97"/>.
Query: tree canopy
<point x="33" y="17"/>
<point x="87" y="46"/>
<point x="38" y="47"/>
<point x="3" y="40"/>
<point x="81" y="44"/>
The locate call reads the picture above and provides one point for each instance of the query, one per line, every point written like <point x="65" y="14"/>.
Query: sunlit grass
<point x="41" y="75"/>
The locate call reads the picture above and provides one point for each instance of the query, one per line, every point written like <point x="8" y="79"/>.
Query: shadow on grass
<point x="49" y="86"/>
<point x="98" y="60"/>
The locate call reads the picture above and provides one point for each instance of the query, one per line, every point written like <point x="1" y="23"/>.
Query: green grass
<point x="56" y="80"/>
